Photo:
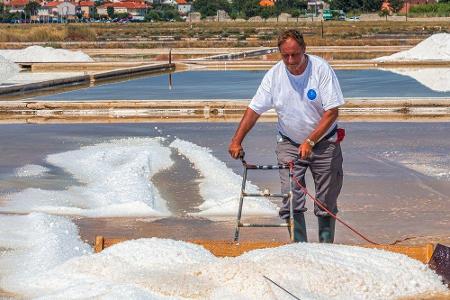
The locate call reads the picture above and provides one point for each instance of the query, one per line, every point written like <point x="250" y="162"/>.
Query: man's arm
<point x="325" y="122"/>
<point x="247" y="122"/>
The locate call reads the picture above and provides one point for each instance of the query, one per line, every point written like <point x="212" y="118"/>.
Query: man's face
<point x="293" y="55"/>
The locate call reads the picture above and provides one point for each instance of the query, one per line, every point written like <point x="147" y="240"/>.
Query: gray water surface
<point x="396" y="175"/>
<point x="211" y="85"/>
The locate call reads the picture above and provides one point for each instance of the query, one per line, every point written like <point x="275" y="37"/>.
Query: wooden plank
<point x="421" y="253"/>
<point x="230" y="249"/>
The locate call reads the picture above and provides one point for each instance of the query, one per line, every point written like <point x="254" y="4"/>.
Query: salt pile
<point x="31" y="170"/>
<point x="45" y="54"/>
<point x="436" y="79"/>
<point x="8" y="69"/>
<point x="47" y="259"/>
<point x="436" y="47"/>
<point x="114" y="181"/>
<point x="219" y="186"/>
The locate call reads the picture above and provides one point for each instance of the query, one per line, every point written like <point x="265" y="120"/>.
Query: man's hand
<point x="305" y="150"/>
<point x="235" y="150"/>
<point x="248" y="120"/>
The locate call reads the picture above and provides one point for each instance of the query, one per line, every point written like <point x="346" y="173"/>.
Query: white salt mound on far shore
<point x="45" y="54"/>
<point x="436" y="47"/>
<point x="8" y="69"/>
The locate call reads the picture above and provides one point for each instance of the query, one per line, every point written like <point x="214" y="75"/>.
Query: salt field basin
<point x="243" y="84"/>
<point x="103" y="170"/>
<point x="176" y="180"/>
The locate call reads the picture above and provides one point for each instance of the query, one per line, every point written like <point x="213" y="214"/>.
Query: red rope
<point x="291" y="168"/>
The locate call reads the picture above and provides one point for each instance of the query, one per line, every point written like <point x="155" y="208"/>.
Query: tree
<point x="251" y="8"/>
<point x="346" y="5"/>
<point x="384" y="13"/>
<point x="265" y="13"/>
<point x="295" y="13"/>
<point x="110" y="11"/>
<point x="371" y="5"/>
<point x="152" y="15"/>
<point x="396" y="5"/>
<point x="210" y="7"/>
<point x="121" y="15"/>
<point x="31" y="8"/>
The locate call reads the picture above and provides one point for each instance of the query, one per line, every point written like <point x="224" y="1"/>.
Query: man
<point x="306" y="95"/>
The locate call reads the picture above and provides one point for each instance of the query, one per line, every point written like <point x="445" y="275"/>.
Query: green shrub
<point x="431" y="10"/>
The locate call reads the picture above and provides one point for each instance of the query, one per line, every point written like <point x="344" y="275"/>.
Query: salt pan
<point x="45" y="54"/>
<point x="436" y="47"/>
<point x="114" y="181"/>
<point x="436" y="79"/>
<point x="219" y="186"/>
<point x="8" y="69"/>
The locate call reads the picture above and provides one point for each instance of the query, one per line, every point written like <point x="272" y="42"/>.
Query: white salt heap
<point x="31" y="170"/>
<point x="45" y="54"/>
<point x="114" y="181"/>
<point x="436" y="79"/>
<point x="219" y="186"/>
<point x="436" y="47"/>
<point x="47" y="259"/>
<point x="8" y="69"/>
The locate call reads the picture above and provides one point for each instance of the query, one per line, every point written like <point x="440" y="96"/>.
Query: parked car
<point x="354" y="18"/>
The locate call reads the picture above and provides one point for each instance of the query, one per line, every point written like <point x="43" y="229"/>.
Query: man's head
<point x="292" y="48"/>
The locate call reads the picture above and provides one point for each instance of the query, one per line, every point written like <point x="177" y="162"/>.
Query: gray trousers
<point x="325" y="164"/>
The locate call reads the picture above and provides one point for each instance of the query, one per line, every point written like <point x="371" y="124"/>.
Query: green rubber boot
<point x="326" y="229"/>
<point x="299" y="228"/>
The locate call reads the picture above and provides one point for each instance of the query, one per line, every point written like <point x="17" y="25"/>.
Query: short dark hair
<point x="291" y="34"/>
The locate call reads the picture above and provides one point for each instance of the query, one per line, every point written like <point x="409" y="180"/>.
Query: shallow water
<point x="389" y="191"/>
<point x="243" y="85"/>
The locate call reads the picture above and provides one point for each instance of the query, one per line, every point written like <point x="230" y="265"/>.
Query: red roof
<point x="16" y="3"/>
<point x="130" y="5"/>
<point x="181" y="2"/>
<point x="86" y="3"/>
<point x="52" y="4"/>
<point x="266" y="3"/>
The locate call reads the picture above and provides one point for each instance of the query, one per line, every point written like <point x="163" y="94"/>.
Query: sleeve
<point x="262" y="100"/>
<point x="331" y="91"/>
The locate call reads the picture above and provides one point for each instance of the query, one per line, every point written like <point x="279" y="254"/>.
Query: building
<point x="129" y="7"/>
<point x="87" y="8"/>
<point x="66" y="9"/>
<point x="168" y="2"/>
<point x="410" y="3"/>
<point x="16" y="5"/>
<point x="317" y="6"/>
<point x="183" y="7"/>
<point x="407" y="5"/>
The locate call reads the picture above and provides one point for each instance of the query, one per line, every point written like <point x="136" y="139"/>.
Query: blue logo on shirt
<point x="311" y="94"/>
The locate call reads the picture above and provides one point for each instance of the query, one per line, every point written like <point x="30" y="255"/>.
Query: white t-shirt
<point x="299" y="100"/>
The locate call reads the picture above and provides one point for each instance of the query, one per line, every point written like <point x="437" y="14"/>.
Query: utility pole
<point x="321" y="23"/>
<point x="406" y="5"/>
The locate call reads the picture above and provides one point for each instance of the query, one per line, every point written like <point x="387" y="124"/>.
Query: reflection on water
<point x="436" y="79"/>
<point x="243" y="84"/>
